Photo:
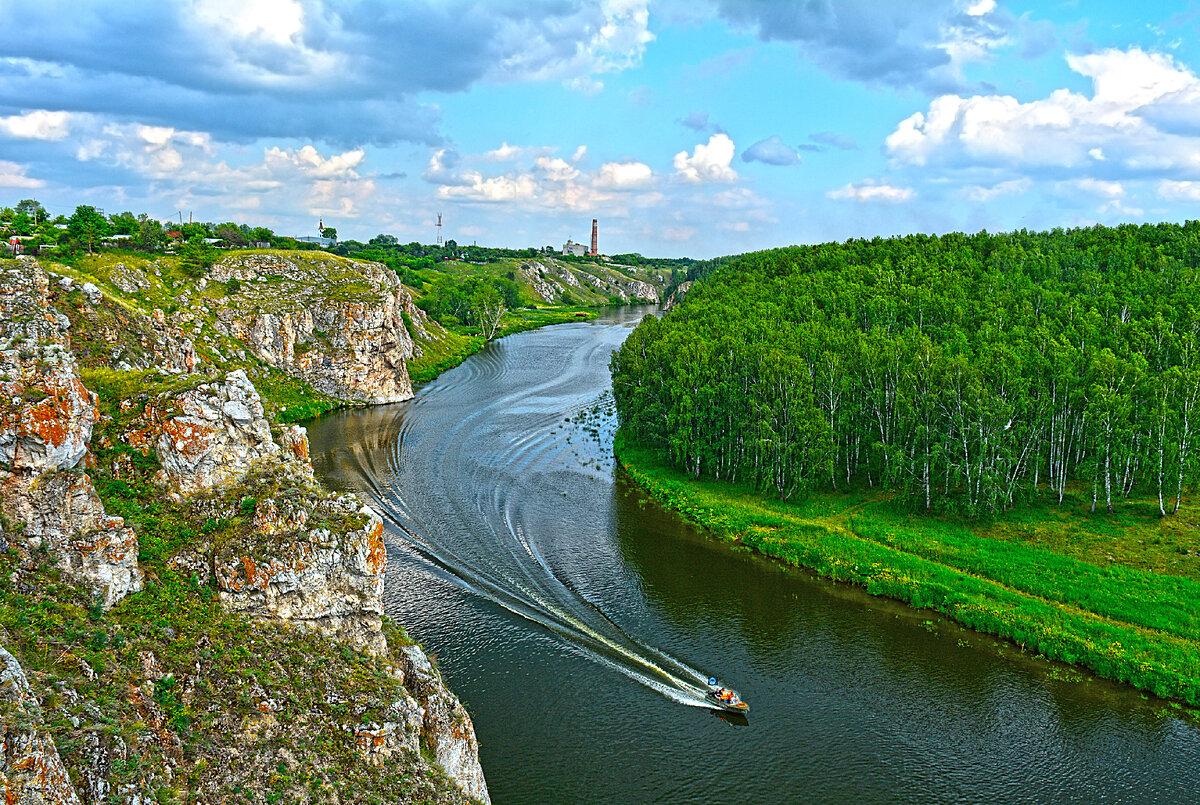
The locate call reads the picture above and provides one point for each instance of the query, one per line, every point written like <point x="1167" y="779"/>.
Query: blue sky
<point x="688" y="127"/>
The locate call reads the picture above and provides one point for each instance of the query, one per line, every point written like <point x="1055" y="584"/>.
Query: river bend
<point x="577" y="621"/>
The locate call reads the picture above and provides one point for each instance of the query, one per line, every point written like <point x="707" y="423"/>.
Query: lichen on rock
<point x="46" y="420"/>
<point x="31" y="772"/>
<point x="339" y="325"/>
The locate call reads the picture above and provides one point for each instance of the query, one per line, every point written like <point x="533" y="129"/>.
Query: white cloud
<point x="536" y="179"/>
<point x="493" y="189"/>
<point x="1066" y="129"/>
<point x="1098" y="187"/>
<point x="505" y="153"/>
<point x="869" y="192"/>
<point x="1012" y="187"/>
<point x="624" y="175"/>
<point x="556" y="169"/>
<point x="708" y="162"/>
<point x="606" y="38"/>
<point x="309" y="162"/>
<point x="13" y="175"/>
<point x="39" y="124"/>
<point x="1172" y="190"/>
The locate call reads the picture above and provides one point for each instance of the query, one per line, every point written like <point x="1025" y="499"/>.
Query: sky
<point x="689" y="128"/>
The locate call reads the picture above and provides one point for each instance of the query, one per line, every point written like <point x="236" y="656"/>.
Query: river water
<point x="577" y="622"/>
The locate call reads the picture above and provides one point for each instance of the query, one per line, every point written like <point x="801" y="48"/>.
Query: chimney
<point x="593" y="252"/>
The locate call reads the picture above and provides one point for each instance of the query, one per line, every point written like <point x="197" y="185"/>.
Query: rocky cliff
<point x="343" y="327"/>
<point x="552" y="281"/>
<point x="30" y="768"/>
<point x="46" y="419"/>
<point x="225" y="641"/>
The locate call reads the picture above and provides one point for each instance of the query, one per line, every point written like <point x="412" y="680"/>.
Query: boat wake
<point x="512" y="452"/>
<point x="505" y="565"/>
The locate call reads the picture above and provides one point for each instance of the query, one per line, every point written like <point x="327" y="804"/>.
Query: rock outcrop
<point x="46" y="420"/>
<point x="447" y="729"/>
<point x="326" y="578"/>
<point x="343" y="327"/>
<point x="677" y="296"/>
<point x="206" y="436"/>
<point x="31" y="772"/>
<point x="124" y="337"/>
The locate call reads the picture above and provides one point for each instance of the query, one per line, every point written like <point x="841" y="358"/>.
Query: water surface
<point x="577" y="621"/>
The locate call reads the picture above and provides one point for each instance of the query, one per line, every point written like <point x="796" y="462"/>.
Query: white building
<point x="577" y="249"/>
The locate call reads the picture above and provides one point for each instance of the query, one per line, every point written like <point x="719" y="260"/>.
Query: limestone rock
<point x="352" y="347"/>
<point x="329" y="579"/>
<point x="31" y="772"/>
<point x="207" y="436"/>
<point x="400" y="731"/>
<point x="62" y="511"/>
<point x="447" y="729"/>
<point x="677" y="296"/>
<point x="46" y="419"/>
<point x="46" y="414"/>
<point x="295" y="445"/>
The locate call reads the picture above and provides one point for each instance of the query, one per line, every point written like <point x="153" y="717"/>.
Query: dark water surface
<point x="577" y="621"/>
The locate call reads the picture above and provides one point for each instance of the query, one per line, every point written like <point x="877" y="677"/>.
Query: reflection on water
<point x="574" y="618"/>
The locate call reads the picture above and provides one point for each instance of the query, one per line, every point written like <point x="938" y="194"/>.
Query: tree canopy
<point x="968" y="371"/>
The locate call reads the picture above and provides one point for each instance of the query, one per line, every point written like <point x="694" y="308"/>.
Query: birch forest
<point x="969" y="373"/>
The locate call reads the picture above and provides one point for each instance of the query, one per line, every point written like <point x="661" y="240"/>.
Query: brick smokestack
<point x="594" y="252"/>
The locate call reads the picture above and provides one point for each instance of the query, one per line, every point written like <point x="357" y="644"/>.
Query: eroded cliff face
<point x="343" y="327"/>
<point x="310" y="558"/>
<point x="46" y="420"/>
<point x="551" y="280"/>
<point x="250" y="527"/>
<point x="446" y="727"/>
<point x="206" y="436"/>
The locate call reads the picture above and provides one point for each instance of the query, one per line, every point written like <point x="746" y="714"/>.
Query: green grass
<point x="220" y="666"/>
<point x="1130" y="622"/>
<point x="455" y="345"/>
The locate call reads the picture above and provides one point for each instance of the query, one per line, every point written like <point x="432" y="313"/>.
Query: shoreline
<point x="834" y="546"/>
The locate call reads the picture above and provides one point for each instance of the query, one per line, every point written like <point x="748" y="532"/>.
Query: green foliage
<point x="973" y="373"/>
<point x="196" y="257"/>
<point x="1123" y="623"/>
<point x="288" y="399"/>
<point x="88" y="226"/>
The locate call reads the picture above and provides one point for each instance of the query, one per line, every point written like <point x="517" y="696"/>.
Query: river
<point x="577" y="621"/>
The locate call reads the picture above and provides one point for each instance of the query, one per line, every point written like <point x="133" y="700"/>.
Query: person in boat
<point x="726" y="695"/>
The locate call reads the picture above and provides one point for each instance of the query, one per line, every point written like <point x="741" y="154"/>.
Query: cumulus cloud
<point x="623" y="175"/>
<point x="13" y="175"/>
<point x="1116" y="125"/>
<point x="1172" y="190"/>
<point x="40" y="124"/>
<point x="905" y="43"/>
<point x="707" y="162"/>
<point x="536" y="179"/>
<point x="869" y="192"/>
<point x="772" y="151"/>
<point x="345" y="73"/>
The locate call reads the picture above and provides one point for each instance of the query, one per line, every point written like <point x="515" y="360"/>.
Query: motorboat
<point x="725" y="698"/>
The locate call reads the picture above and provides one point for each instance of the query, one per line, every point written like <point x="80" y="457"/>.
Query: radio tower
<point x="439" y="229"/>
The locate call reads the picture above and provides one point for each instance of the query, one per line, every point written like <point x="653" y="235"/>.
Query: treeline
<point x="971" y="372"/>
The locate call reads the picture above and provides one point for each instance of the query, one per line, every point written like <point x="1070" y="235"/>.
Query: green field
<point x="1118" y="595"/>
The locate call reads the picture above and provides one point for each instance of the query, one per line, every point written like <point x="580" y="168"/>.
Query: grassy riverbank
<point x="453" y="346"/>
<point x="1119" y="595"/>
